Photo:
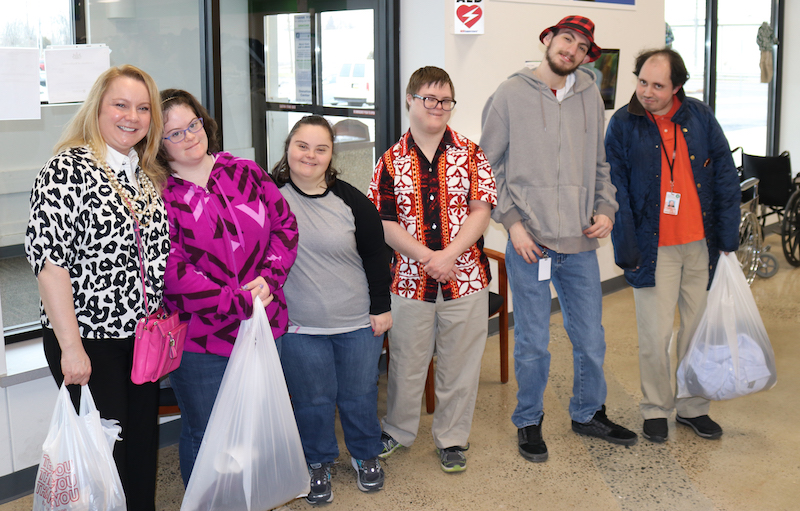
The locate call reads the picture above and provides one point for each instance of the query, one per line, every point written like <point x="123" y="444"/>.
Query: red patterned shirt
<point x="431" y="202"/>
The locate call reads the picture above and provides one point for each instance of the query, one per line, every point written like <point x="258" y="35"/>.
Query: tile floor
<point x="754" y="466"/>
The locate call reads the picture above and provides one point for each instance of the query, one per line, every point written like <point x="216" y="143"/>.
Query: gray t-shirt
<point x="326" y="291"/>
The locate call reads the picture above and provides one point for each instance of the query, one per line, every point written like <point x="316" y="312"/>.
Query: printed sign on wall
<point x="469" y="16"/>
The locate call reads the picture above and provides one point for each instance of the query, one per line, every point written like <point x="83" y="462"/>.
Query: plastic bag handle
<point x="87" y="401"/>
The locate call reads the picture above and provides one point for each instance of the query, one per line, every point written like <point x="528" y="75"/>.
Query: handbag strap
<point x="140" y="251"/>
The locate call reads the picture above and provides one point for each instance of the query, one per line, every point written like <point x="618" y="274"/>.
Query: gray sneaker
<point x="320" y="492"/>
<point x="389" y="445"/>
<point x="369" y="474"/>
<point x="453" y="459"/>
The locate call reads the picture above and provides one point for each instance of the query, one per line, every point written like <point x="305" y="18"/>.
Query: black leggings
<point x="117" y="397"/>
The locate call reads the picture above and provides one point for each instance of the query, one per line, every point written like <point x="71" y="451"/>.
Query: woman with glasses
<point x="81" y="243"/>
<point x="233" y="241"/>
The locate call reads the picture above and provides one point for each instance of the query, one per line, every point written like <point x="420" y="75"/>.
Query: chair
<point x="167" y="402"/>
<point x="498" y="304"/>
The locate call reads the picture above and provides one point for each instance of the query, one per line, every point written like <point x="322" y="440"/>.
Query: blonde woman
<point x="82" y="246"/>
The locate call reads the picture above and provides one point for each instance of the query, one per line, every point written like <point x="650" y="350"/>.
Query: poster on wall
<point x="469" y="16"/>
<point x="72" y="70"/>
<point x="19" y="84"/>
<point x="600" y="4"/>
<point x="302" y="57"/>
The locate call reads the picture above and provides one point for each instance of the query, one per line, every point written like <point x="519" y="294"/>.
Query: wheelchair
<point x="752" y="254"/>
<point x="778" y="194"/>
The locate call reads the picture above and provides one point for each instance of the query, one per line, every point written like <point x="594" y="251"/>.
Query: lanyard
<point x="670" y="164"/>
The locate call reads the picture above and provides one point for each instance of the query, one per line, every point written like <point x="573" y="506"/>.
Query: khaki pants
<point x="458" y="329"/>
<point x="681" y="279"/>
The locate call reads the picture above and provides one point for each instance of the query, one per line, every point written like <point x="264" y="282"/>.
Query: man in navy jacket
<point x="678" y="193"/>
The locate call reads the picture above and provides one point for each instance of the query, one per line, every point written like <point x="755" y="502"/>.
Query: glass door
<point x="742" y="101"/>
<point x="323" y="63"/>
<point x="733" y="86"/>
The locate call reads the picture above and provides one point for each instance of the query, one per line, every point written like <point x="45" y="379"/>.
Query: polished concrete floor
<point x="754" y="466"/>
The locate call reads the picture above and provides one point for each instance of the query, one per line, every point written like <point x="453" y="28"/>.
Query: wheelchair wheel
<point x="790" y="230"/>
<point x="749" y="245"/>
<point x="767" y="265"/>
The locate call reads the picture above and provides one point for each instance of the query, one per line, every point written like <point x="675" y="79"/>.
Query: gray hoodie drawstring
<point x="541" y="109"/>
<point x="585" y="119"/>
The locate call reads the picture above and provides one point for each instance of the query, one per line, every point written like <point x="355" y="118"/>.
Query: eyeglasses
<point x="177" y="136"/>
<point x="431" y="103"/>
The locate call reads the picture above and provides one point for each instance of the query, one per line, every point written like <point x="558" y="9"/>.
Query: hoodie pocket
<point x="557" y="211"/>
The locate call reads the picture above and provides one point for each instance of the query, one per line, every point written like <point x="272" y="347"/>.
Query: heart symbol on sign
<point x="469" y="14"/>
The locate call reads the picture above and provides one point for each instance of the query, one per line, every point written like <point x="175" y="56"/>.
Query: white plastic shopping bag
<point x="251" y="458"/>
<point x="730" y="354"/>
<point x="77" y="470"/>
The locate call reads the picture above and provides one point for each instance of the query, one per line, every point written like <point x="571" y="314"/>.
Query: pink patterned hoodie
<point x="223" y="236"/>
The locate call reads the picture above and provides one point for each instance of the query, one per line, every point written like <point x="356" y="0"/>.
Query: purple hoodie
<point x="223" y="236"/>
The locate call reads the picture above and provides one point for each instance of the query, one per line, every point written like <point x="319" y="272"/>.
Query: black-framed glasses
<point x="178" y="135"/>
<point x="431" y="103"/>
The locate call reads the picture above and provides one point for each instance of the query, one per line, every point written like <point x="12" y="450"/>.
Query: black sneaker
<point x="601" y="427"/>
<point x="703" y="426"/>
<point x="320" y="492"/>
<point x="369" y="474"/>
<point x="655" y="430"/>
<point x="531" y="444"/>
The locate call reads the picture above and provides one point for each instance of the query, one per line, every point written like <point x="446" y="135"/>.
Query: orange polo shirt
<point x="687" y="225"/>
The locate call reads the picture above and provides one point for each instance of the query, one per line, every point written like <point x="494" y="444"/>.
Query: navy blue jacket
<point x="633" y="148"/>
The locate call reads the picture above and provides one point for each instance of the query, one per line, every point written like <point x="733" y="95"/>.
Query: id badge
<point x="544" y="267"/>
<point x="672" y="202"/>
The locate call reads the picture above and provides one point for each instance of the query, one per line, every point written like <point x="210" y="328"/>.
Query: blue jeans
<point x="576" y="278"/>
<point x="196" y="384"/>
<point x="326" y="371"/>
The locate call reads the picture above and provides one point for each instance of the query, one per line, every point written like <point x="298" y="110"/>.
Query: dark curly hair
<point x="170" y="98"/>
<point x="280" y="172"/>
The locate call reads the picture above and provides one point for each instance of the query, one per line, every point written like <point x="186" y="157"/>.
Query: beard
<point x="559" y="67"/>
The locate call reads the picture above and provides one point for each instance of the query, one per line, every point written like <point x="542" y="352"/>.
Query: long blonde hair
<point x="84" y="128"/>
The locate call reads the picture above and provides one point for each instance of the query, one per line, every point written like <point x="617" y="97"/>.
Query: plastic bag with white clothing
<point x="730" y="354"/>
<point x="251" y="458"/>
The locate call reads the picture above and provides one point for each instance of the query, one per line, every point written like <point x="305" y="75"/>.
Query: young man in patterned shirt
<point x="435" y="190"/>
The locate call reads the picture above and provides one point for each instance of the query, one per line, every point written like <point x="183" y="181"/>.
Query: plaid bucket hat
<point x="583" y="26"/>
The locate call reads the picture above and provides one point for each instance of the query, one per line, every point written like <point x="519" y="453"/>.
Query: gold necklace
<point x="148" y="195"/>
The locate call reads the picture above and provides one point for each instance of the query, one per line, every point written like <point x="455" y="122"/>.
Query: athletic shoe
<point x="389" y="445"/>
<point x="320" y="492"/>
<point x="369" y="474"/>
<point x="703" y="426"/>
<point x="453" y="459"/>
<point x="655" y="430"/>
<point x="601" y="427"/>
<point x="531" y="444"/>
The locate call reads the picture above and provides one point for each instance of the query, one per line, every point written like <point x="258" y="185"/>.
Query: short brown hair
<point x="678" y="74"/>
<point x="170" y="98"/>
<point x="429" y="75"/>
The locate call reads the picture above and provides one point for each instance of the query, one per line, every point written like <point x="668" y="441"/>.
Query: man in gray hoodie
<point x="543" y="135"/>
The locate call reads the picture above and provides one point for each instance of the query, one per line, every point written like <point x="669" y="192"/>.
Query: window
<point x="37" y="24"/>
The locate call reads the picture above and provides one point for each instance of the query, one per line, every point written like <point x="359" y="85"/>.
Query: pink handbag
<point x="158" y="347"/>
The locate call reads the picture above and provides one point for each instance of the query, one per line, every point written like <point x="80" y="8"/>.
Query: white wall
<point x="422" y="40"/>
<point x="790" y="104"/>
<point x="477" y="64"/>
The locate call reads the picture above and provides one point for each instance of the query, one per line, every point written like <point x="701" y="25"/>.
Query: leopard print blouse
<point x="78" y="222"/>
